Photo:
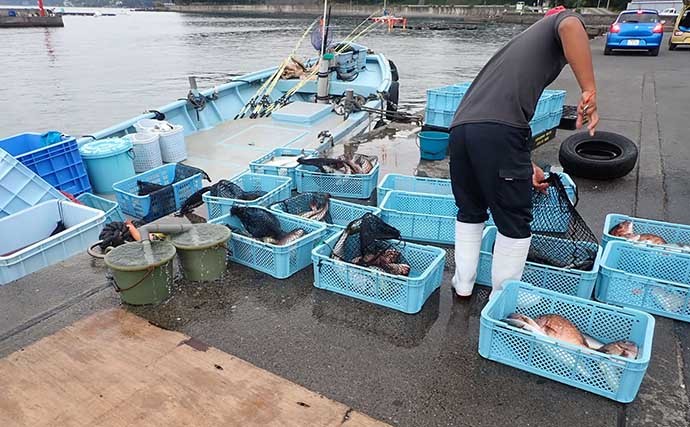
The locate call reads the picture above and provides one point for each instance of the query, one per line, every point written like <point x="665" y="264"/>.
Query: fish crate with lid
<point x="281" y="162"/>
<point x="354" y="179"/>
<point x="368" y="261"/>
<point x="158" y="192"/>
<point x="599" y="348"/>
<point x="246" y="189"/>
<point x="322" y="208"/>
<point x="652" y="278"/>
<point x="270" y="242"/>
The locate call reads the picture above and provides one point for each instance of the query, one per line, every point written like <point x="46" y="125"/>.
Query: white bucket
<point x="173" y="147"/>
<point x="147" y="151"/>
<point x="151" y="125"/>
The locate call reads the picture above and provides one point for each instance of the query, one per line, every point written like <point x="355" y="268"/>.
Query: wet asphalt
<point x="423" y="369"/>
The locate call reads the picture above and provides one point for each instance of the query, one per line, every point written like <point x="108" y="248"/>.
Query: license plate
<point x="633" y="42"/>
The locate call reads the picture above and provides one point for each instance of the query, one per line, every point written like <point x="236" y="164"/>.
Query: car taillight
<point x="615" y="28"/>
<point x="658" y="28"/>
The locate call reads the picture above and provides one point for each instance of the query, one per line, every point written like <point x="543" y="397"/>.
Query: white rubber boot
<point x="509" y="260"/>
<point x="468" y="242"/>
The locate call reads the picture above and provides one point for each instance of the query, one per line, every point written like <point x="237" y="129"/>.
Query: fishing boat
<point x="343" y="92"/>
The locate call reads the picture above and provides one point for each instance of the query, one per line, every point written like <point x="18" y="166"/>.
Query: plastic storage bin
<point x="278" y="261"/>
<point x="20" y="187"/>
<point x="263" y="164"/>
<point x="567" y="281"/>
<point x="421" y="217"/>
<point x="112" y="210"/>
<point x="414" y="184"/>
<point x="107" y="162"/>
<point x="402" y="293"/>
<point x="341" y="213"/>
<point x="53" y="156"/>
<point x="147" y="151"/>
<point x="185" y="181"/>
<point x="651" y="278"/>
<point x="678" y="234"/>
<point x="277" y="188"/>
<point x="172" y="144"/>
<point x="359" y="186"/>
<point x="24" y="250"/>
<point x="614" y="377"/>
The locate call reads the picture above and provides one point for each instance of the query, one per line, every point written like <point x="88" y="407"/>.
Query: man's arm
<point x="578" y="54"/>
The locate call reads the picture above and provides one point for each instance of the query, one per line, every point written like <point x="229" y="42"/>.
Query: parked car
<point x="636" y="29"/>
<point x="681" y="30"/>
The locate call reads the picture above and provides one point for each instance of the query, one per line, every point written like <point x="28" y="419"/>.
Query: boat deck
<point x="228" y="148"/>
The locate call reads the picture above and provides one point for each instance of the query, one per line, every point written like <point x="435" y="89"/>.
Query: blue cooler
<point x="108" y="161"/>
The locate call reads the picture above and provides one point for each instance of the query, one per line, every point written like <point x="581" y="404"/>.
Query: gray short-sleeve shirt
<point x="508" y="88"/>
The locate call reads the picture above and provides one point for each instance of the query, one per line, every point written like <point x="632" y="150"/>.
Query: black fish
<point x="320" y="162"/>
<point x="258" y="222"/>
<point x="148" y="187"/>
<point x="252" y="195"/>
<point x="59" y="228"/>
<point x="226" y="189"/>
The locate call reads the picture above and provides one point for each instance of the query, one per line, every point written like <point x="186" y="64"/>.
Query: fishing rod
<point x="344" y="45"/>
<point x="278" y="72"/>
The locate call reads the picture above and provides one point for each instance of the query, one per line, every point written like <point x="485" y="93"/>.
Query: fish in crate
<point x="223" y="188"/>
<point x="263" y="226"/>
<point x="357" y="164"/>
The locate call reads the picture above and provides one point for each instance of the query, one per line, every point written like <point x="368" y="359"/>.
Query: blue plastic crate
<point x="404" y="293"/>
<point x="446" y="98"/>
<point x="440" y="118"/>
<point x="678" y="234"/>
<point x="543" y="105"/>
<point x="614" y="377"/>
<point x="278" y="261"/>
<point x="414" y="184"/>
<point x="112" y="210"/>
<point x="650" y="278"/>
<point x="53" y="156"/>
<point x="277" y="188"/>
<point x="359" y="186"/>
<point x="341" y="213"/>
<point x="27" y="249"/>
<point x="568" y="281"/>
<point x="421" y="217"/>
<point x="20" y="187"/>
<point x="556" y="100"/>
<point x="540" y="124"/>
<point x="260" y="165"/>
<point x="148" y="209"/>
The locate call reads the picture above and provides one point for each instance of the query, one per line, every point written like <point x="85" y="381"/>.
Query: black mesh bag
<point x="306" y="204"/>
<point x="163" y="197"/>
<point x="367" y="241"/>
<point x="560" y="236"/>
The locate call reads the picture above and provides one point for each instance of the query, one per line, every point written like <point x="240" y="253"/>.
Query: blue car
<point x="636" y="29"/>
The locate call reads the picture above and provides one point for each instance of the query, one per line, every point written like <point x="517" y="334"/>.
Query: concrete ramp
<point x="116" y="369"/>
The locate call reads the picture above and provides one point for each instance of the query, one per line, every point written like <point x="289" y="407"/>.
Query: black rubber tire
<point x="606" y="155"/>
<point x="671" y="46"/>
<point x="607" y="51"/>
<point x="654" y="52"/>
<point x="394" y="71"/>
<point x="393" y="97"/>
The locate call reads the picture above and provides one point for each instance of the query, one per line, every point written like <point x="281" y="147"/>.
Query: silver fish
<point x="622" y="348"/>
<point x="291" y="237"/>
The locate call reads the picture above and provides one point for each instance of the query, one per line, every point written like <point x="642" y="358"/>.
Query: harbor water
<point x="98" y="71"/>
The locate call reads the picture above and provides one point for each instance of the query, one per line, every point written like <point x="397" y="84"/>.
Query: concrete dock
<point x="423" y="369"/>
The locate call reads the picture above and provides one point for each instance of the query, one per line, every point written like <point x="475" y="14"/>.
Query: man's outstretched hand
<point x="537" y="178"/>
<point x="587" y="109"/>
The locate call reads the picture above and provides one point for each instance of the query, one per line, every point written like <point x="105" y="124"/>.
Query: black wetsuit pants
<point x="491" y="168"/>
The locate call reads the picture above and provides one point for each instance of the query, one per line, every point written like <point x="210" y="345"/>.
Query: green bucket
<point x="203" y="251"/>
<point x="143" y="273"/>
